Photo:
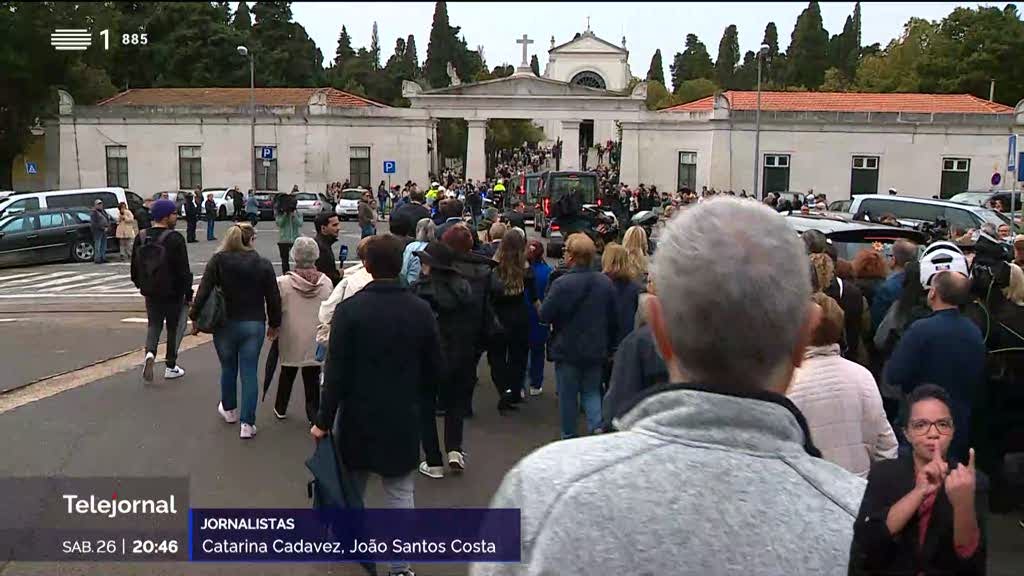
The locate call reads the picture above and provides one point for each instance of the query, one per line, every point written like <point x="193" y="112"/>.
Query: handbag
<point x="572" y="312"/>
<point x="211" y="314"/>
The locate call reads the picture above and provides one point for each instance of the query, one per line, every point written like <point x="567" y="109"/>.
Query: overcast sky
<point x="646" y="25"/>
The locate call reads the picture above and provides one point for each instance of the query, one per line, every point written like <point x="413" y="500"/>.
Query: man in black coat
<point x="327" y="227"/>
<point x="404" y="219"/>
<point x="191" y="215"/>
<point x="383" y="407"/>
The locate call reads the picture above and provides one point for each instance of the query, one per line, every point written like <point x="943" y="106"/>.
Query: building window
<point x="266" y="170"/>
<point x="117" y="166"/>
<point x="956" y="173"/>
<point x="359" y="166"/>
<point x="775" y="174"/>
<point x="864" y="175"/>
<point x="588" y="79"/>
<point x="190" y="167"/>
<point x="687" y="170"/>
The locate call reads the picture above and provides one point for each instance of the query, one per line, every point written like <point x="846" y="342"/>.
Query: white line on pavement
<point x="6" y="320"/>
<point x="13" y="276"/>
<point x="24" y="281"/>
<point x="71" y="279"/>
<point x="135" y="320"/>
<point x="118" y="280"/>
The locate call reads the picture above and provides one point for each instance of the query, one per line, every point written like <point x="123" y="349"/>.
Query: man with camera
<point x="289" y="223"/>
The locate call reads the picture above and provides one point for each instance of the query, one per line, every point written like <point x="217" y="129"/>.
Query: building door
<point x="586" y="141"/>
<point x="687" y="171"/>
<point x="775" y="173"/>
<point x="956" y="173"/>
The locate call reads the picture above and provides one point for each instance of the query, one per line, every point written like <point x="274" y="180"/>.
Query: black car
<point x="851" y="236"/>
<point x="265" y="202"/>
<point x="48" y="236"/>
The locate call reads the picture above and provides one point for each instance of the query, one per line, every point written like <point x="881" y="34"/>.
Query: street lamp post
<point x="252" y="121"/>
<point x="757" y="125"/>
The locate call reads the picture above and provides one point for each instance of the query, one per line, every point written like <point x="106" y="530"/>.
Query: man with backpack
<point x="161" y="272"/>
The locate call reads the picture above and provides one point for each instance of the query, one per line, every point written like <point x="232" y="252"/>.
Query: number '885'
<point x="134" y="39"/>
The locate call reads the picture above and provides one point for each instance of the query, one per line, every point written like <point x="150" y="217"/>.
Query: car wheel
<point x="222" y="213"/>
<point x="82" y="251"/>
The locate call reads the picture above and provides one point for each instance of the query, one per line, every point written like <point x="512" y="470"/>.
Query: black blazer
<point x="383" y="367"/>
<point x="875" y="551"/>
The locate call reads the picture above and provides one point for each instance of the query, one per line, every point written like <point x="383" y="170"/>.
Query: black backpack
<point x="154" y="271"/>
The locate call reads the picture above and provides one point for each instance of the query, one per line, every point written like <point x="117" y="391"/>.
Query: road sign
<point x="31" y="168"/>
<point x="1020" y="161"/>
<point x="267" y="152"/>
<point x="1011" y="156"/>
<point x="390" y="166"/>
<point x="996" y="179"/>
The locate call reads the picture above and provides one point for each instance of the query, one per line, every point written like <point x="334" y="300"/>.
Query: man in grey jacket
<point x="717" y="475"/>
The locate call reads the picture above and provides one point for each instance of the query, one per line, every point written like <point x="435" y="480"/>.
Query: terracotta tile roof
<point x="232" y="97"/>
<point x="849" y="102"/>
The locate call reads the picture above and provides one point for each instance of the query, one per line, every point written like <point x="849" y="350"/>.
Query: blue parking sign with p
<point x="267" y="153"/>
<point x="390" y="166"/>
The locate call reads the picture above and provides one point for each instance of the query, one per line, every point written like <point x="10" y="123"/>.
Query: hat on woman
<point x="437" y="255"/>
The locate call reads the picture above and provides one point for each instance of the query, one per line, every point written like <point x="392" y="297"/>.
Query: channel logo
<point x="77" y="39"/>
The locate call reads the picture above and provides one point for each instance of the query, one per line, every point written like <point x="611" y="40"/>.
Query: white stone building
<point x="836" y="143"/>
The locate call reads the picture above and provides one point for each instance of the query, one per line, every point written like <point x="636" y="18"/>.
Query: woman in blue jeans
<point x="252" y="309"/>
<point x="538" y="331"/>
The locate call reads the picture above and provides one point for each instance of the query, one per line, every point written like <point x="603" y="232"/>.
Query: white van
<point x="15" y="202"/>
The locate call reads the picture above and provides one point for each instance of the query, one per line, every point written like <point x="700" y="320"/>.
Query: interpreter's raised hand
<point x="960" y="484"/>
<point x="931" y="475"/>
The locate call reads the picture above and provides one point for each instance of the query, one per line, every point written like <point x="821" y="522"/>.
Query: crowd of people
<point x="747" y="374"/>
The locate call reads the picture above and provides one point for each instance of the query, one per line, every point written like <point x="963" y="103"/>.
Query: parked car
<point x="914" y="211"/>
<point x="53" y="235"/>
<point x="225" y="205"/>
<point x="17" y="202"/>
<point x="311" y="203"/>
<point x="348" y="203"/>
<point x="265" y="202"/>
<point x="851" y="236"/>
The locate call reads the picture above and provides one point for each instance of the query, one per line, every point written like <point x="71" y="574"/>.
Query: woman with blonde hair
<point x="635" y="243"/>
<point x="252" y="308"/>
<point x="618" y="267"/>
<point x="126" y="231"/>
<point x="303" y="289"/>
<point x="508" y="350"/>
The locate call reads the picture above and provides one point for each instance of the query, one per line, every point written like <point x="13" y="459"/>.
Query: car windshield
<point x="584" y="183"/>
<point x="350" y="195"/>
<point x="972" y="198"/>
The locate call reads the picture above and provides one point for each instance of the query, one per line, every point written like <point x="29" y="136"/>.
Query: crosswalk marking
<point x="29" y="280"/>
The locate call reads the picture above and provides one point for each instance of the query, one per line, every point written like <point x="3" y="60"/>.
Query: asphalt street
<point x="104" y="421"/>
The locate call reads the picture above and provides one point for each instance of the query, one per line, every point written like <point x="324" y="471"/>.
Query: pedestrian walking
<point x="238" y="202"/>
<point x="99" y="224"/>
<point x="327" y="228"/>
<point x="637" y="246"/>
<point x="616" y="265"/>
<point x="361" y="384"/>
<point x="161" y="272"/>
<point x="407" y="216"/>
<point x="143" y="219"/>
<point x="125" y="232"/>
<point x="839" y="398"/>
<point x="252" y="209"/>
<point x="191" y="215"/>
<point x="382" y="200"/>
<point x="922" y="513"/>
<point x="210" y="210"/>
<point x="252" y="312"/>
<point x="425" y="234"/>
<point x="365" y="215"/>
<point x="722" y="425"/>
<point x="289" y="226"/>
<point x="512" y="294"/>
<point x="458" y="311"/>
<point x="302" y="292"/>
<point x="581" y="308"/>
<point x="538" y="332"/>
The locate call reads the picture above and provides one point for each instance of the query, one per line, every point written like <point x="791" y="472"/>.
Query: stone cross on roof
<point x="525" y="41"/>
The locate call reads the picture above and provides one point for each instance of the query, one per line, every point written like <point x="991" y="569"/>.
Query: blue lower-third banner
<point x="364" y="535"/>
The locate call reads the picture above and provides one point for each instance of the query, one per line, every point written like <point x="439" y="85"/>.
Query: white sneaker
<point x="456" y="461"/>
<point x="431" y="471"/>
<point x="147" y="369"/>
<point x="172" y="373"/>
<point x="230" y="416"/>
<point x="248" y="430"/>
<point x="536" y="391"/>
<point x="279" y="415"/>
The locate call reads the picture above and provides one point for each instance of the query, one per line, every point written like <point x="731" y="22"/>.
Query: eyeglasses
<point x="922" y="427"/>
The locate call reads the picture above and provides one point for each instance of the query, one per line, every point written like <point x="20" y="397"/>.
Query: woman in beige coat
<point x="126" y="231"/>
<point x="302" y="289"/>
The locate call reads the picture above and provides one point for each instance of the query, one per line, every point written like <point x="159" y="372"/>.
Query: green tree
<point x="535" y="65"/>
<point x="656" y="72"/>
<point x="746" y="74"/>
<point x="196" y="46"/>
<point x="441" y="49"/>
<point x="412" y="59"/>
<point x="375" y="47"/>
<point x="242" y="20"/>
<point x="808" y="49"/>
<point x="658" y="96"/>
<point x="895" y="69"/>
<point x="773" y="64"/>
<point x="344" y="50"/>
<point x="970" y="48"/>
<point x="695" y="89"/>
<point x="508" y="133"/>
<point x="285" y="55"/>
<point x="835" y="81"/>
<point x="694" y="62"/>
<point x="728" y="57"/>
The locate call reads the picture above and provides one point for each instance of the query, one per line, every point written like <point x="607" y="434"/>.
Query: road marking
<point x="6" y="320"/>
<point x="51" y="276"/>
<point x="71" y="279"/>
<point x="13" y="276"/>
<point x="135" y="320"/>
<point x="53" y="385"/>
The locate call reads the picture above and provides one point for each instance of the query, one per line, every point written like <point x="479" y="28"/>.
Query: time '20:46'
<point x="131" y="39"/>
